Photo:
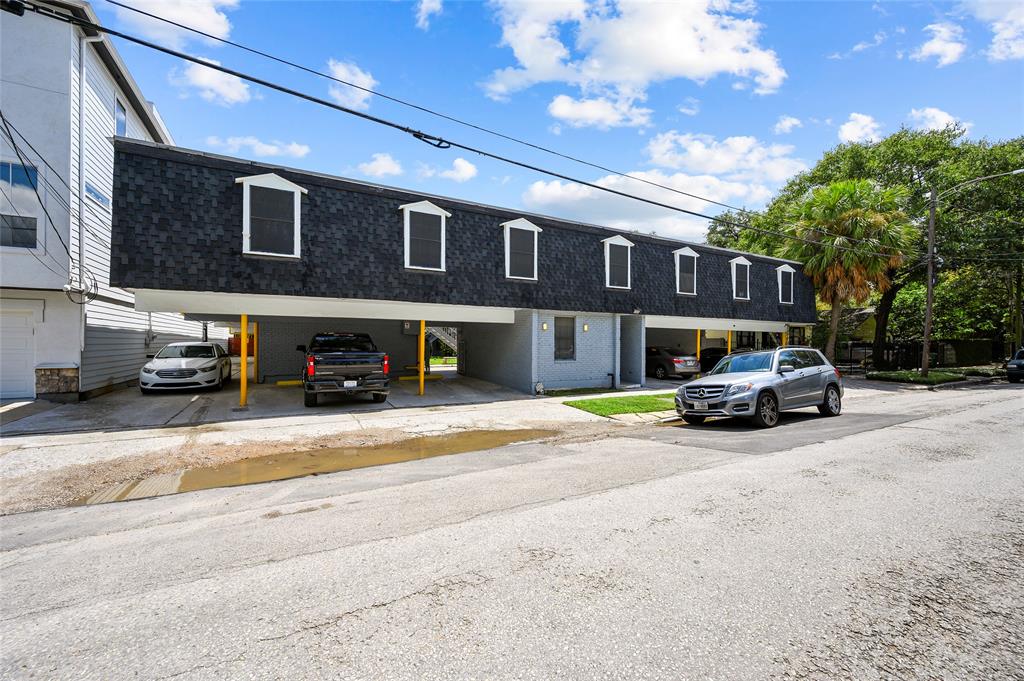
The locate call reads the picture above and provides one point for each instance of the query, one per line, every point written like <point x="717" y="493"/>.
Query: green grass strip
<point x="627" y="404"/>
<point x="910" y="376"/>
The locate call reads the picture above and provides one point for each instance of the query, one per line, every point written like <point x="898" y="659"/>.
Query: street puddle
<point x="309" y="462"/>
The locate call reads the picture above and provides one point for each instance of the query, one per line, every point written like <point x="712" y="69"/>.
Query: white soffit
<point x="712" y="324"/>
<point x="205" y="302"/>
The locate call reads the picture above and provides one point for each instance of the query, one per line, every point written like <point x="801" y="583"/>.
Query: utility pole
<point x="932" y="201"/>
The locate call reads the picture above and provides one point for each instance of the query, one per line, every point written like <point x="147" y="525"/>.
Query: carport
<point x="694" y="334"/>
<point x="272" y="326"/>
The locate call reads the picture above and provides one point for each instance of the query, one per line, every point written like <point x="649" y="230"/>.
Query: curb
<point x="976" y="380"/>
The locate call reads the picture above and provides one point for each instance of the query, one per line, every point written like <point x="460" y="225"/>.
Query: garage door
<point x="17" y="355"/>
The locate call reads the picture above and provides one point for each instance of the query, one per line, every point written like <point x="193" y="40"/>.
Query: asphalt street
<point x="885" y="543"/>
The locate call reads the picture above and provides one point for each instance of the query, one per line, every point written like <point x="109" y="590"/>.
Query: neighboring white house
<point x="65" y="94"/>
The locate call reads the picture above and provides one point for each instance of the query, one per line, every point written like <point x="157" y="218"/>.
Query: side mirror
<point x="786" y="368"/>
<point x="150" y="356"/>
<point x="300" y="348"/>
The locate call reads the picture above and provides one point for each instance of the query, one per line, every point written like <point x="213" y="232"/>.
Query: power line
<point x="35" y="189"/>
<point x="54" y="191"/>
<point x="432" y="140"/>
<point x="32" y="250"/>
<point x="424" y="109"/>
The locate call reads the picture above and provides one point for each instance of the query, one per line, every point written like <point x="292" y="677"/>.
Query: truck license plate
<point x="700" y="406"/>
<point x="352" y="384"/>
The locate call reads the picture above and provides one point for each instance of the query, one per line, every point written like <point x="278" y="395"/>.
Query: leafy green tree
<point x="850" y="235"/>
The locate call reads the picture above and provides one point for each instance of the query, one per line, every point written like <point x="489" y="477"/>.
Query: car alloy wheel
<point x="767" y="414"/>
<point x="832" y="405"/>
<point x="660" y="373"/>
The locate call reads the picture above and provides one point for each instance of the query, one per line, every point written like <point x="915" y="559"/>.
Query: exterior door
<point x="17" y="354"/>
<point x="794" y="383"/>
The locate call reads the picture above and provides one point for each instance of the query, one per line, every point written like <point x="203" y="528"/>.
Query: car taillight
<point x="386" y="365"/>
<point x="677" y="360"/>
<point x="310" y="367"/>
<point x="838" y="375"/>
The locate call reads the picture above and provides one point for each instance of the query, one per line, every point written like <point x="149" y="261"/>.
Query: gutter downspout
<point x="82" y="41"/>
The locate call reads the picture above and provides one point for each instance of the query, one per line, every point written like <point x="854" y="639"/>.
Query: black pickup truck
<point x="344" y="363"/>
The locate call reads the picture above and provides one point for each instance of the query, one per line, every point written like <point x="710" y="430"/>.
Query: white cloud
<point x="598" y="112"/>
<point x="877" y="40"/>
<point x="619" y="50"/>
<point x="860" y="128"/>
<point x="739" y="159"/>
<point x="1006" y="19"/>
<point x="204" y="15"/>
<point x="946" y="44"/>
<point x="424" y="10"/>
<point x="213" y="86"/>
<point x="381" y="165"/>
<point x="346" y="95"/>
<point x="690" y="106"/>
<point x="786" y="125"/>
<point x="461" y="171"/>
<point x="577" y="202"/>
<point x="258" y="147"/>
<point x="931" y="118"/>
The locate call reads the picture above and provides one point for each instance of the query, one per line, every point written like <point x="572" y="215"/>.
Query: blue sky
<point x="717" y="98"/>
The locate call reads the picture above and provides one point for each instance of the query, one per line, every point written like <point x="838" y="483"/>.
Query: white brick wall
<point x="502" y="353"/>
<point x="596" y="351"/>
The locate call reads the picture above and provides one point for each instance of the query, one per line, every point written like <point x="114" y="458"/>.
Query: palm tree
<point x="853" y="235"/>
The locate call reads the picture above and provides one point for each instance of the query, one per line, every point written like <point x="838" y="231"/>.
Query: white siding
<point x="117" y="337"/>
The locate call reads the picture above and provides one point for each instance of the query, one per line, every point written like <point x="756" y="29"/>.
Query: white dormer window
<point x="271" y="212"/>
<point x="617" y="267"/>
<point x="521" y="249"/>
<point x="686" y="271"/>
<point x="740" y="278"/>
<point x="424" y="235"/>
<point x="785" y="275"/>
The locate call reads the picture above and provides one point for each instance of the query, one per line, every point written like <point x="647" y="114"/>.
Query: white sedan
<point x="186" y="365"/>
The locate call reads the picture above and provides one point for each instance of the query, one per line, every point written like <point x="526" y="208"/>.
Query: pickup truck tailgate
<point x="349" y="364"/>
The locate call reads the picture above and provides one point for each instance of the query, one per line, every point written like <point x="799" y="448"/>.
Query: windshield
<point x="172" y="351"/>
<point x="1020" y="354"/>
<point x="342" y="344"/>
<point x="678" y="353"/>
<point x="735" y="364"/>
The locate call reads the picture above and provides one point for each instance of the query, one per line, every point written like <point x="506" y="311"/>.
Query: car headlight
<point x="212" y="367"/>
<point x="740" y="388"/>
<point x="148" y="369"/>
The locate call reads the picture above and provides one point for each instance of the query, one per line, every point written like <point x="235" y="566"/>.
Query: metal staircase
<point x="449" y="335"/>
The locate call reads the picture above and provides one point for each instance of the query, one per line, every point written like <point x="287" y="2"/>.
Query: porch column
<point x="728" y="341"/>
<point x="256" y="352"/>
<point x="421" y="347"/>
<point x="698" y="345"/>
<point x="785" y="338"/>
<point x="244" y="372"/>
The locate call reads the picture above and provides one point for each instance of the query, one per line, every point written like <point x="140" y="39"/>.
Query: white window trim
<point x="734" y="263"/>
<point x="271" y="181"/>
<point x="524" y="224"/>
<point x="42" y="225"/>
<point x="430" y="209"/>
<point x="679" y="254"/>
<point x="792" y="282"/>
<point x="618" y="241"/>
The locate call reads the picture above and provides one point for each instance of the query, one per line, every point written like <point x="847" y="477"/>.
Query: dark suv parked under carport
<point x="347" y="363"/>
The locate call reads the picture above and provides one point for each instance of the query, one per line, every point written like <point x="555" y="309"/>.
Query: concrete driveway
<point x="127" y="408"/>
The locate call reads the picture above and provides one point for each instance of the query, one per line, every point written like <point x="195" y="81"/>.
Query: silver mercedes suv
<point x="760" y="384"/>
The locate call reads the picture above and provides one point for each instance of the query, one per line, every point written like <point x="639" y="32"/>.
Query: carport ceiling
<point x="711" y="324"/>
<point x="234" y="304"/>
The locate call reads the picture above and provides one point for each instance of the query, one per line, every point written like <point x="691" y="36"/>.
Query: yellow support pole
<point x="244" y="373"/>
<point x="728" y="342"/>
<point x="255" y="352"/>
<point x="421" y="344"/>
<point x="698" y="344"/>
<point x="785" y="338"/>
